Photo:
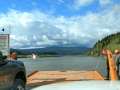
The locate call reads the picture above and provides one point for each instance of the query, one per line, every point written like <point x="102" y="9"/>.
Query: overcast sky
<point x="44" y="23"/>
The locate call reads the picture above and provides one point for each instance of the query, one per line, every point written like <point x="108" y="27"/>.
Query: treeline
<point x="110" y="42"/>
<point x="45" y="53"/>
<point x="38" y="53"/>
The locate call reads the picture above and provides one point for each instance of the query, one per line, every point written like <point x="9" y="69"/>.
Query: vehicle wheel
<point x="18" y="85"/>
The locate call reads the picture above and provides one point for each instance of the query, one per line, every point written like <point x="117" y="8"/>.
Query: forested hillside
<point x="110" y="42"/>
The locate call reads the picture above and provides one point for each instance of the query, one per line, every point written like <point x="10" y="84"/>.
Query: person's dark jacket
<point x="117" y="58"/>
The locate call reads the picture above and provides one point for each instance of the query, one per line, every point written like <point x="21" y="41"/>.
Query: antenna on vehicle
<point x="9" y="38"/>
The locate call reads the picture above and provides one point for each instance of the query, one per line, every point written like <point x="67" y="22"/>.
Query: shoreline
<point x="42" y="56"/>
<point x="102" y="56"/>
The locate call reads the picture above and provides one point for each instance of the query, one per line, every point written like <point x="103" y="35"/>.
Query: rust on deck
<point x="39" y="78"/>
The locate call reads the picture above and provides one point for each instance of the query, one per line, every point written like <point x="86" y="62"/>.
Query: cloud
<point x="38" y="29"/>
<point x="61" y="1"/>
<point x="56" y="1"/>
<point x="81" y="3"/>
<point x="34" y="3"/>
<point x="13" y="5"/>
<point x="105" y="2"/>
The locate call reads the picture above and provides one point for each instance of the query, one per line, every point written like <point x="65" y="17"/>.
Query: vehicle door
<point x="4" y="76"/>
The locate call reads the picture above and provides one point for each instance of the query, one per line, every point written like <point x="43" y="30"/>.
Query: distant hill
<point x="110" y="42"/>
<point x="19" y="52"/>
<point x="58" y="50"/>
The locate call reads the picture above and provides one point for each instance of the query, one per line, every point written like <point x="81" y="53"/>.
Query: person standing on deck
<point x="117" y="59"/>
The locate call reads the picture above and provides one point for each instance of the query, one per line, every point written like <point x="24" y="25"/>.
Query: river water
<point x="65" y="63"/>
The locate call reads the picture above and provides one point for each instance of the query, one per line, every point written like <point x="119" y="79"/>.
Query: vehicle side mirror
<point x="2" y="59"/>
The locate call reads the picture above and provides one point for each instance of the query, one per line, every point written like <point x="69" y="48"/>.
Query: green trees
<point x="110" y="42"/>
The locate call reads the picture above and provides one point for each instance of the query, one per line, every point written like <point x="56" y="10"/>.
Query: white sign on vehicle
<point x="4" y="44"/>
